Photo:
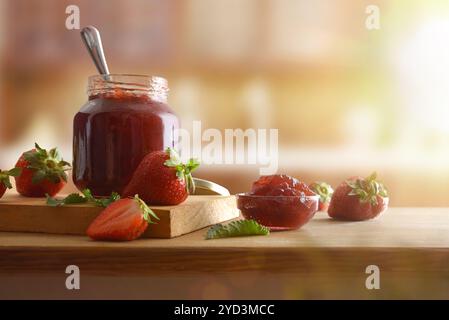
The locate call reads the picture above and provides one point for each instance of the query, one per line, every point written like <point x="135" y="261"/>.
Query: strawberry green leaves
<point x="146" y="211"/>
<point x="46" y="164"/>
<point x="367" y="189"/>
<point x="324" y="190"/>
<point x="100" y="202"/>
<point x="183" y="170"/>
<point x="5" y="175"/>
<point x="85" y="197"/>
<point x="73" y="198"/>
<point x="240" y="228"/>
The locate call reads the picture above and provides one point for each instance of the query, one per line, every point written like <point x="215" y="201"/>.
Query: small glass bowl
<point x="278" y="212"/>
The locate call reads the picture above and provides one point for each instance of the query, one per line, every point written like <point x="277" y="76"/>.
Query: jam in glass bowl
<point x="279" y="202"/>
<point x="278" y="212"/>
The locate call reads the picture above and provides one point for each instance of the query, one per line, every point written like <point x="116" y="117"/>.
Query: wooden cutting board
<point x="21" y="214"/>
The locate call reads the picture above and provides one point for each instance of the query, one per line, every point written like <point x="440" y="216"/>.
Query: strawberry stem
<point x="367" y="189"/>
<point x="5" y="175"/>
<point x="46" y="164"/>
<point x="324" y="190"/>
<point x="183" y="170"/>
<point x="146" y="211"/>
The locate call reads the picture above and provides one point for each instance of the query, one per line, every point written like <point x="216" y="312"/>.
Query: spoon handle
<point x="92" y="40"/>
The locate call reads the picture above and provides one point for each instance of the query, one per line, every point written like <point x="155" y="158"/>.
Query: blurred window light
<point x="422" y="66"/>
<point x="361" y="127"/>
<point x="185" y="97"/>
<point x="257" y="102"/>
<point x="304" y="29"/>
<point x="223" y="29"/>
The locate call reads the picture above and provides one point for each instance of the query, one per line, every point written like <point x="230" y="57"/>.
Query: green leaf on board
<point x="240" y="228"/>
<point x="85" y="197"/>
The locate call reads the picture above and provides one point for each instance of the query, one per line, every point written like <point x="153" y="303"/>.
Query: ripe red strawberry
<point x="123" y="220"/>
<point x="5" y="183"/>
<point x="325" y="192"/>
<point x="43" y="172"/>
<point x="358" y="199"/>
<point x="162" y="179"/>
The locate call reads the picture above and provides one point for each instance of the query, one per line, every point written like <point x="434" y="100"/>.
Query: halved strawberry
<point x="123" y="220"/>
<point x="5" y="183"/>
<point x="43" y="172"/>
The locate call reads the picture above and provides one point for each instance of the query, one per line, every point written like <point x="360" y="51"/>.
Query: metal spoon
<point x="92" y="39"/>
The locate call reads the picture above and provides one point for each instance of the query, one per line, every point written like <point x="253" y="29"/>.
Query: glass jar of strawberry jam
<point x="125" y="118"/>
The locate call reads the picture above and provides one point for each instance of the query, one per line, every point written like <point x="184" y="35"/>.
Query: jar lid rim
<point x="156" y="87"/>
<point x="127" y="75"/>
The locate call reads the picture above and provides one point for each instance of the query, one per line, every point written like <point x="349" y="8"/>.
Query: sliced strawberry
<point x="43" y="172"/>
<point x="123" y="220"/>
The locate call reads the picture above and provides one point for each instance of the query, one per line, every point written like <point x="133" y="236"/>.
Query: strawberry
<point x="43" y="172"/>
<point x="162" y="179"/>
<point x="325" y="192"/>
<point x="123" y="220"/>
<point x="5" y="183"/>
<point x="358" y="199"/>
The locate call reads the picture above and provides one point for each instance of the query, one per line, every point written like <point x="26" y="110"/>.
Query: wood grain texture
<point x="397" y="228"/>
<point x="20" y="214"/>
<point x="325" y="258"/>
<point x="401" y="239"/>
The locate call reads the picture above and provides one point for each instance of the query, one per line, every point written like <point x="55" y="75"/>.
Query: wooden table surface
<point x="326" y="258"/>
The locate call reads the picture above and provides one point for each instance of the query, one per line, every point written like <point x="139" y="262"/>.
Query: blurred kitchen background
<point x="346" y="100"/>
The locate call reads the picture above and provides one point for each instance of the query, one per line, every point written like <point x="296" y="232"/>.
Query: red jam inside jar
<point x="279" y="202"/>
<point x="125" y="118"/>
